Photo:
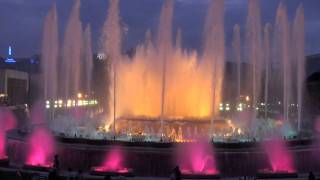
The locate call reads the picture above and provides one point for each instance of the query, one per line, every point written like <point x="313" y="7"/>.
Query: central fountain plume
<point x="158" y="71"/>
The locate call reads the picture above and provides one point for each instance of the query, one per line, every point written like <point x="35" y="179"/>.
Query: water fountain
<point x="113" y="164"/>
<point x="88" y="63"/>
<point x="176" y="88"/>
<point x="40" y="142"/>
<point x="72" y="54"/>
<point x="280" y="159"/>
<point x="164" y="94"/>
<point x="7" y="122"/>
<point x="197" y="160"/>
<point x="41" y="150"/>
<point x="50" y="53"/>
<point x="236" y="45"/>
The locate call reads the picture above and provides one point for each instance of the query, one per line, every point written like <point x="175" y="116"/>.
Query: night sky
<point x="21" y="21"/>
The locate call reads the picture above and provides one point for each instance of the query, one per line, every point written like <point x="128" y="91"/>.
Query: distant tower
<point x="10" y="58"/>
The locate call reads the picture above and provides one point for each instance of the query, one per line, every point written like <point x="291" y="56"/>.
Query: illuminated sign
<point x="10" y="59"/>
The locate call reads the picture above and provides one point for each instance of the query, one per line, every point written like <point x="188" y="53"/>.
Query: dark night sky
<point x="21" y="21"/>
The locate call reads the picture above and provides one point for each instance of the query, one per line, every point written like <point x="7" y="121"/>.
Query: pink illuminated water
<point x="7" y="122"/>
<point x="279" y="157"/>
<point x="41" y="148"/>
<point x="196" y="158"/>
<point x="113" y="162"/>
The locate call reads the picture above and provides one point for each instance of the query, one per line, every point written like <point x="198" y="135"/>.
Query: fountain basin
<point x="200" y="176"/>
<point x="45" y="167"/>
<point x="155" y="159"/>
<point x="102" y="171"/>
<point x="4" y="162"/>
<point x="275" y="175"/>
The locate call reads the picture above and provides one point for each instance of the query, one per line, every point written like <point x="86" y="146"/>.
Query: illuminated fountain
<point x="280" y="160"/>
<point x="158" y="72"/>
<point x="40" y="150"/>
<point x="41" y="143"/>
<point x="113" y="164"/>
<point x="7" y="122"/>
<point x="50" y="53"/>
<point x="197" y="159"/>
<point x="164" y="92"/>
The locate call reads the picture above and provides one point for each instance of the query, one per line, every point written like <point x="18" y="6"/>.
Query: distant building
<point x="16" y="75"/>
<point x="15" y="85"/>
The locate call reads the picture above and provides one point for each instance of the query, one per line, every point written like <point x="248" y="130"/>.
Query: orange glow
<point x="188" y="92"/>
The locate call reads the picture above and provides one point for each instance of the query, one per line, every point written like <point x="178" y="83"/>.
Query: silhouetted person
<point x="70" y="175"/>
<point x="53" y="175"/>
<point x="56" y="162"/>
<point x="107" y="177"/>
<point x="79" y="175"/>
<point x="35" y="176"/>
<point x="176" y="173"/>
<point x="18" y="175"/>
<point x="311" y="176"/>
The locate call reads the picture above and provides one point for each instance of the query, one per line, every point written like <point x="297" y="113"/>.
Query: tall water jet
<point x="214" y="52"/>
<point x="164" y="43"/>
<point x="196" y="158"/>
<point x="279" y="156"/>
<point x="7" y="122"/>
<point x="237" y="55"/>
<point x="178" y="43"/>
<point x="282" y="38"/>
<point x="254" y="54"/>
<point x="267" y="65"/>
<point x="299" y="51"/>
<point x="72" y="53"/>
<point x="49" y="54"/>
<point x="112" y="46"/>
<point x="88" y="58"/>
<point x="40" y="148"/>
